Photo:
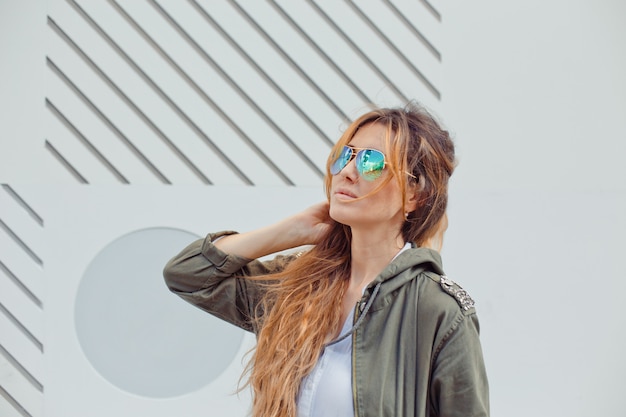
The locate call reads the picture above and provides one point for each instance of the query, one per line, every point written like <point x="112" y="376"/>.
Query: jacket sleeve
<point x="459" y="385"/>
<point x="214" y="281"/>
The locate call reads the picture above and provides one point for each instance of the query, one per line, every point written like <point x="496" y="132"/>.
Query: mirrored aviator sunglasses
<point x="369" y="162"/>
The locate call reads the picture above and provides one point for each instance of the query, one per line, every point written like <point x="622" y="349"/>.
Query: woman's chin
<point x="341" y="214"/>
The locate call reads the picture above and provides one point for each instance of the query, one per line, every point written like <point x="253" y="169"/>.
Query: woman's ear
<point x="412" y="197"/>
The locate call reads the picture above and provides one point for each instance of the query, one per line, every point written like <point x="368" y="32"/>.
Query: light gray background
<point x="535" y="95"/>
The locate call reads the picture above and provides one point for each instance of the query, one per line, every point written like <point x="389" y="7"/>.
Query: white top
<point x="327" y="390"/>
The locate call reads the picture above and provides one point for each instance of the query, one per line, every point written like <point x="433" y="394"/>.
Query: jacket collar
<point x="406" y="267"/>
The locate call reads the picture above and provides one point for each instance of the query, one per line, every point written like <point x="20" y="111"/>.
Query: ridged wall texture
<point x="198" y="92"/>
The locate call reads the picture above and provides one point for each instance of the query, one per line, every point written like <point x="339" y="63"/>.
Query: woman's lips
<point x="344" y="193"/>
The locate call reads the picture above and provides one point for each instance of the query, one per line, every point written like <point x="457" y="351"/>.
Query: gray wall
<point x="239" y="102"/>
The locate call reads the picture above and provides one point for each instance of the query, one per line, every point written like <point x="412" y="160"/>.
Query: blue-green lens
<point x="341" y="161"/>
<point x="370" y="163"/>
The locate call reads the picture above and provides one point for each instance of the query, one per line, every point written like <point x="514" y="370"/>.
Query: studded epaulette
<point x="462" y="297"/>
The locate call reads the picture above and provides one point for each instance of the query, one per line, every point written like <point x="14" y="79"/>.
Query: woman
<point x="364" y="323"/>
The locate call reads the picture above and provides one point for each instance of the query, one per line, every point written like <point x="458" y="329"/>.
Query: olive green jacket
<point x="416" y="351"/>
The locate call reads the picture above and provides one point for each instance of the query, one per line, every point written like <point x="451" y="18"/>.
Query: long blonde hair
<point x="302" y="305"/>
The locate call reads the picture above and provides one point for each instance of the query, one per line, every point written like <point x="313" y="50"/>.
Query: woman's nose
<point x="350" y="171"/>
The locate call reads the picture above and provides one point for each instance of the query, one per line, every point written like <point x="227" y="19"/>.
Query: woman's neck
<point x="370" y="254"/>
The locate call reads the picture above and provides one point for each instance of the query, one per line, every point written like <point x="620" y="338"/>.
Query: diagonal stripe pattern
<point x="225" y="92"/>
<point x="21" y="306"/>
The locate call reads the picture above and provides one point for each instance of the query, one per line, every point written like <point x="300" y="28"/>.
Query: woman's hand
<point x="311" y="224"/>
<point x="304" y="228"/>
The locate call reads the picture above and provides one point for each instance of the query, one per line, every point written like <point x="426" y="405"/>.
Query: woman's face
<point x="381" y="209"/>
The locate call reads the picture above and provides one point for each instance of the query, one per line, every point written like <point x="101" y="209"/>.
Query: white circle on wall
<point x="136" y="333"/>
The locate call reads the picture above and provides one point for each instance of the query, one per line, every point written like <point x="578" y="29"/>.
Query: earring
<point x="406" y="215"/>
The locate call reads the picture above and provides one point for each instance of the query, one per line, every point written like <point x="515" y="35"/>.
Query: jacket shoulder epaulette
<point x="460" y="295"/>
